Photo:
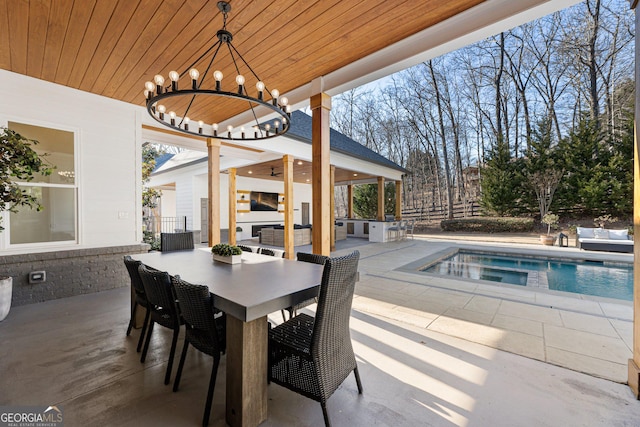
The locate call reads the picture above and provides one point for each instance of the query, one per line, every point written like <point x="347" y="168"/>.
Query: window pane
<point x="54" y="223"/>
<point x="57" y="144"/>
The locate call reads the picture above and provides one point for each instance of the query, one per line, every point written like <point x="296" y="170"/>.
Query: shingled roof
<point x="300" y="130"/>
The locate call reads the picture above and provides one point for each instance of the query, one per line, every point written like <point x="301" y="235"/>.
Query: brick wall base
<point x="68" y="273"/>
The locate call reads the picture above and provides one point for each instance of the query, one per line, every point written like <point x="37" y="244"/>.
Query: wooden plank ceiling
<point x="111" y="47"/>
<point x="274" y="170"/>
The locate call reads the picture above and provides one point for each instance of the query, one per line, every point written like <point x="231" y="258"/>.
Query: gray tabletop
<point x="258" y="286"/>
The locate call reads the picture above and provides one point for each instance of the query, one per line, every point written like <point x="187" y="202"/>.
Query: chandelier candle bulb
<point x="162" y="109"/>
<point x="194" y="74"/>
<point x="260" y="87"/>
<point x="193" y="101"/>
<point x="159" y="82"/>
<point x="217" y="75"/>
<point x="174" y="76"/>
<point x="240" y="81"/>
<point x="150" y="87"/>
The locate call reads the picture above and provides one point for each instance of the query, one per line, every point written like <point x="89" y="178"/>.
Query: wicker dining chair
<point x="140" y="298"/>
<point x="164" y="310"/>
<point x="205" y="329"/>
<point x="244" y="248"/>
<point x="312" y="258"/>
<point x="178" y="241"/>
<point x="313" y="356"/>
<point x="267" y="251"/>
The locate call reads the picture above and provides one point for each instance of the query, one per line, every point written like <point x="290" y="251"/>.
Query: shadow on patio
<point x="73" y="352"/>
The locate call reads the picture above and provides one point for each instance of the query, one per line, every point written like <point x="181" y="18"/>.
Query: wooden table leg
<point x="140" y="312"/>
<point x="246" y="372"/>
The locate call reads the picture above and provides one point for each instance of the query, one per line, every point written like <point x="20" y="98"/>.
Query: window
<point x="57" y="193"/>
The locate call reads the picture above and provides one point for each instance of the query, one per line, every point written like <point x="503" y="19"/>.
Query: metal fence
<point x="164" y="224"/>
<point x="460" y="210"/>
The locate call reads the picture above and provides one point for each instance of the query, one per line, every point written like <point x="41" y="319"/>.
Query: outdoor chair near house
<point x="178" y="241"/>
<point x="244" y="248"/>
<point x="402" y="229"/>
<point x="205" y="329"/>
<point x="313" y="356"/>
<point x="139" y="298"/>
<point x="267" y="251"/>
<point x="409" y="228"/>
<point x="393" y="230"/>
<point x="164" y="310"/>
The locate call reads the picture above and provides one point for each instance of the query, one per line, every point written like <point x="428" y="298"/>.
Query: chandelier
<point x="170" y="105"/>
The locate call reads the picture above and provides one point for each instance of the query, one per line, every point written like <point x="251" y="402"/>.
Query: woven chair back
<point x="312" y="258"/>
<point x="176" y="241"/>
<point x="157" y="286"/>
<point x="196" y="304"/>
<point x="132" y="267"/>
<point x="331" y="341"/>
<point x="267" y="251"/>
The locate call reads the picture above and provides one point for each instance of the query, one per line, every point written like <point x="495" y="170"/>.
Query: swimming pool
<point x="598" y="278"/>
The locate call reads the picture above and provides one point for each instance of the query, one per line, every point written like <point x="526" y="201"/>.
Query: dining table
<point x="247" y="292"/>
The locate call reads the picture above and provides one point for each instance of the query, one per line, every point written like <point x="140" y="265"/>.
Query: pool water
<point x="582" y="277"/>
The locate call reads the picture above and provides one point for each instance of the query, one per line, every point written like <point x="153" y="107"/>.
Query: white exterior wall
<point x="168" y="203"/>
<point x="184" y="199"/>
<point x="108" y="157"/>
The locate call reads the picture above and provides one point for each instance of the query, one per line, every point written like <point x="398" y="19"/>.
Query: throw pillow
<point x="585" y="233"/>
<point x="618" y="234"/>
<point x="601" y="233"/>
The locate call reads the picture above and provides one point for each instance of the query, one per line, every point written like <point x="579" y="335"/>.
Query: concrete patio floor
<point x="431" y="351"/>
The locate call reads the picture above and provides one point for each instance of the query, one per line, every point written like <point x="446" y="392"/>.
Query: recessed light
<point x="250" y="172"/>
<point x="355" y="174"/>
<point x="308" y="180"/>
<point x="300" y="162"/>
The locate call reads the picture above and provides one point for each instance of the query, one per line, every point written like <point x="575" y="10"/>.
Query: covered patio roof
<point x="112" y="48"/>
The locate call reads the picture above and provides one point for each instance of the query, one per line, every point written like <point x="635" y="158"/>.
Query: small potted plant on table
<point x="224" y="252"/>
<point x="552" y="221"/>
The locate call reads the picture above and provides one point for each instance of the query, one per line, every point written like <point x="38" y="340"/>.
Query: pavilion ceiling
<point x="111" y="48"/>
<point x="274" y="170"/>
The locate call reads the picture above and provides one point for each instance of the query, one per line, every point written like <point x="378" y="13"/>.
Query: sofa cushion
<point x="600" y="233"/>
<point x="618" y="234"/>
<point x="587" y="233"/>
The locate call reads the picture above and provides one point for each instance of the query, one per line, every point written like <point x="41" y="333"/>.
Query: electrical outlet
<point x="37" y="277"/>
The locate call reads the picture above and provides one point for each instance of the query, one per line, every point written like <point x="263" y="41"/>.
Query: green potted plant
<point x="603" y="220"/>
<point x="224" y="252"/>
<point x="18" y="162"/>
<point x="552" y="222"/>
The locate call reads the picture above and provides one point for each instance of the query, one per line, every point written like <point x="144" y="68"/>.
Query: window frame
<point x="5" y="240"/>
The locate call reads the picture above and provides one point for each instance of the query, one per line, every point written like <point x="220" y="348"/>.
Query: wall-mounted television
<point x="261" y="201"/>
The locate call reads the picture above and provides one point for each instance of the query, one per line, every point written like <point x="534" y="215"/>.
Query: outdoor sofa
<point x="601" y="239"/>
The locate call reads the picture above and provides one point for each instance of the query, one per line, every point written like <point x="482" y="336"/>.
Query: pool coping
<point x="612" y="258"/>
